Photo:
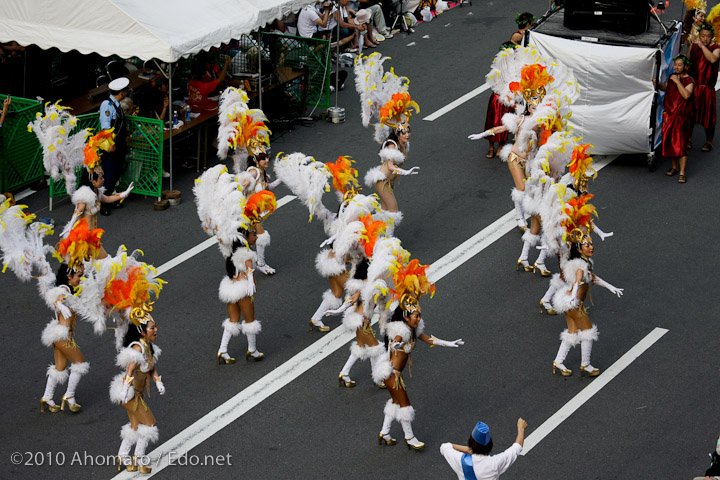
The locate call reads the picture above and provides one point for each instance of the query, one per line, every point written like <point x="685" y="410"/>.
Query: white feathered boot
<point x="263" y="241"/>
<point x="77" y="370"/>
<point x="406" y="415"/>
<point x="567" y="341"/>
<point x="587" y="337"/>
<point x="54" y="378"/>
<point x="251" y="330"/>
<point x="230" y="329"/>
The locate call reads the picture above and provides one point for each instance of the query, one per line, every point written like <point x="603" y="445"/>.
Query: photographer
<point x="310" y="19"/>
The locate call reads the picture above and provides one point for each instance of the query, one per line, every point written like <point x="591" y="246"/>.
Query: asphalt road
<point x="654" y="420"/>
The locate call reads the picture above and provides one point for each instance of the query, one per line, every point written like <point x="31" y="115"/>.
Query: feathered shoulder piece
<point x="62" y="152"/>
<point x="579" y="222"/>
<point x="221" y="206"/>
<point x="384" y="96"/>
<point x="21" y="242"/>
<point x="580" y="167"/>
<point x="259" y="206"/>
<point x="81" y="244"/>
<point x="233" y="102"/>
<point x="94" y="147"/>
<point x="410" y="283"/>
<point x="307" y="178"/>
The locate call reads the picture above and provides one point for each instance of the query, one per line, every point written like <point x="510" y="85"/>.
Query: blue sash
<point x="467" y="467"/>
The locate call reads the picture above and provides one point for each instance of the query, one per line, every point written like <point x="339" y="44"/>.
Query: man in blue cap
<point x="474" y="462"/>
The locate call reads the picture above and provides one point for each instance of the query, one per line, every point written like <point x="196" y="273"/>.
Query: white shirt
<point x="331" y="23"/>
<point x="306" y="21"/>
<point x="485" y="467"/>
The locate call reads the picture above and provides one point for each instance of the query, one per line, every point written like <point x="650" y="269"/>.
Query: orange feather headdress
<point x="344" y="176"/>
<point x="259" y="206"/>
<point x="411" y="283"/>
<point x="251" y="134"/>
<point x="133" y="291"/>
<point x="579" y="222"/>
<point x="80" y="245"/>
<point x="396" y="112"/>
<point x="580" y="164"/>
<point x="533" y="80"/>
<point x="371" y="232"/>
<point x="102" y="141"/>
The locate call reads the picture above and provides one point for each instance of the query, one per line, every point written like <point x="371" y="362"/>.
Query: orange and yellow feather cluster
<point x="371" y="232"/>
<point x="411" y="279"/>
<point x="581" y="161"/>
<point x="532" y="77"/>
<point x="343" y="174"/>
<point x="132" y="291"/>
<point x="80" y="244"/>
<point x="248" y="130"/>
<point x="102" y="141"/>
<point x="260" y="205"/>
<point x="580" y="214"/>
<point x="398" y="105"/>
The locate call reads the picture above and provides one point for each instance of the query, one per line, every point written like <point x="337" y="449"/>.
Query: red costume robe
<point x="705" y="75"/>
<point x="495" y="112"/>
<point x="677" y="120"/>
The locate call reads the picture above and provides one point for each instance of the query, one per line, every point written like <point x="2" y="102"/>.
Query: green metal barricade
<point x="143" y="162"/>
<point x="311" y="55"/>
<point x="20" y="152"/>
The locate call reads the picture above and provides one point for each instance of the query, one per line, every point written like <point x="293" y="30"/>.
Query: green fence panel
<point x="143" y="162"/>
<point x="311" y="55"/>
<point x="20" y="152"/>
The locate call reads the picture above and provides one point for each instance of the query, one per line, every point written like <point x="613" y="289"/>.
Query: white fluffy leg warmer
<point x="587" y="337"/>
<point x="380" y="364"/>
<point x="517" y="198"/>
<point x="129" y="437"/>
<point x="77" y="370"/>
<point x="529" y="240"/>
<point x="390" y="412"/>
<point x="567" y="341"/>
<point x="54" y="377"/>
<point x="230" y="329"/>
<point x="329" y="302"/>
<point x="251" y="331"/>
<point x="263" y="241"/>
<point x="145" y="436"/>
<point x="350" y="362"/>
<point x="406" y="415"/>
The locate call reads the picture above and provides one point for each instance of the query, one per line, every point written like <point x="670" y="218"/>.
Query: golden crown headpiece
<point x="140" y="315"/>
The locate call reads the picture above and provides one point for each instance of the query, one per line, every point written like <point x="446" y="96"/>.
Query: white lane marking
<point x="470" y="95"/>
<point x="207" y="244"/>
<point x="587" y="393"/>
<point x="25" y="193"/>
<point x="254" y="394"/>
<point x="453" y="105"/>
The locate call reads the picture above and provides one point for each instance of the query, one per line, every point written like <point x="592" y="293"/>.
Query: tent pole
<point x="337" y="54"/>
<point x="170" y="117"/>
<point x="260" y="53"/>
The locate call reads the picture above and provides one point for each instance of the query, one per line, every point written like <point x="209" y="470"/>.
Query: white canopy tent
<point x="163" y="29"/>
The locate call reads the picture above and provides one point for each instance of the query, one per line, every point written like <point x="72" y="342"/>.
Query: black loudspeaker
<point x="631" y="17"/>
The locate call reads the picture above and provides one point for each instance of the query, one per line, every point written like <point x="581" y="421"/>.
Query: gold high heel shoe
<point x="249" y="355"/>
<point x="417" y="446"/>
<point x="51" y="408"/>
<point x="388" y="441"/>
<point x="133" y="467"/>
<point x="523" y="263"/>
<point x="74" y="407"/>
<point x="118" y="462"/>
<point x="348" y="383"/>
<point x="565" y="372"/>
<point x="321" y="328"/>
<point x="550" y="311"/>
<point x="590" y="373"/>
<point x="544" y="272"/>
<point x="224" y="361"/>
<point x="144" y="469"/>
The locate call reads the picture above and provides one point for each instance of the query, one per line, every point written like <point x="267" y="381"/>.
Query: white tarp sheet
<point x="616" y="92"/>
<point x="163" y="29"/>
